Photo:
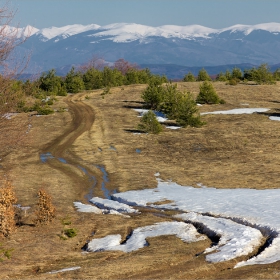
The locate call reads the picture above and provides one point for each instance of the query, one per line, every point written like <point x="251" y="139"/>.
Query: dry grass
<point x="228" y="152"/>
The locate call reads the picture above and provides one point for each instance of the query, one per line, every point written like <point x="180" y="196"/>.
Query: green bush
<point x="41" y="109"/>
<point x="149" y="123"/>
<point x="93" y="79"/>
<point x="260" y="75"/>
<point x="232" y="82"/>
<point x="180" y="106"/>
<point x="189" y="77"/>
<point x="5" y="253"/>
<point x="186" y="111"/>
<point x="70" y="232"/>
<point x="207" y="94"/>
<point x="177" y="105"/>
<point x="153" y="94"/>
<point x="21" y="106"/>
<point x="51" y="83"/>
<point x="74" y="82"/>
<point x="203" y="75"/>
<point x="276" y="74"/>
<point x="106" y="91"/>
<point x="221" y="77"/>
<point x="236" y="74"/>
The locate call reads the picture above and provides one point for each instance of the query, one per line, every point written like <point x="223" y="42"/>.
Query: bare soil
<point x="230" y="151"/>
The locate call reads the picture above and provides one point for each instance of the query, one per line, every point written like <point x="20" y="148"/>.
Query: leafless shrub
<point x="95" y="62"/>
<point x="10" y="67"/>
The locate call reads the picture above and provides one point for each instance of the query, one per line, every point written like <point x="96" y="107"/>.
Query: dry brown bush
<point x="11" y="65"/>
<point x="45" y="210"/>
<point x="7" y="210"/>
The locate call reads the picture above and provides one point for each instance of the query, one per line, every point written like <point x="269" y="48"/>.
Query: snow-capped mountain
<point x="123" y="32"/>
<point x="192" y="45"/>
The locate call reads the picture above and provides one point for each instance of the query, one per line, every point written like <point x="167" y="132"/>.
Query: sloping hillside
<point x="94" y="149"/>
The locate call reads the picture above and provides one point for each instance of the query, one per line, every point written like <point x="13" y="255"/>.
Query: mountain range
<point x="165" y="47"/>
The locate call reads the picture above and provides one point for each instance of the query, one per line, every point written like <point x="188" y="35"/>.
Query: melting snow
<point x="235" y="239"/>
<point x="257" y="208"/>
<point x="185" y="232"/>
<point x="9" y="116"/>
<point x="161" y="117"/>
<point x="274" y="118"/>
<point x="238" y="111"/>
<point x="173" y="127"/>
<point x="112" y="205"/>
<point x="64" y="270"/>
<point x="86" y="208"/>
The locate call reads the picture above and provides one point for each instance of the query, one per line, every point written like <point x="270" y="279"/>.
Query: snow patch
<point x="235" y="239"/>
<point x="161" y="117"/>
<point x="64" y="270"/>
<point x="238" y="111"/>
<point x="173" y="127"/>
<point x="185" y="232"/>
<point x="112" y="205"/>
<point x="257" y="208"/>
<point x="86" y="208"/>
<point x="274" y="118"/>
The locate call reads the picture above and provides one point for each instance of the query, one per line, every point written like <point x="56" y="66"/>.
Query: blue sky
<point x="210" y="13"/>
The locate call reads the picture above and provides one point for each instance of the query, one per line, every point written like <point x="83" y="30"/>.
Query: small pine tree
<point x="189" y="77"/>
<point x="45" y="209"/>
<point x="207" y="94"/>
<point x="7" y="210"/>
<point x="203" y="75"/>
<point x="228" y="75"/>
<point x="149" y="123"/>
<point x="153" y="94"/>
<point x="260" y="75"/>
<point x="236" y="74"/>
<point x="221" y="77"/>
<point x="73" y="81"/>
<point x="276" y="74"/>
<point x="186" y="111"/>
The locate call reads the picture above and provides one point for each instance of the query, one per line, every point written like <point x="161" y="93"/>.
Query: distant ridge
<point x="127" y="32"/>
<point x="192" y="45"/>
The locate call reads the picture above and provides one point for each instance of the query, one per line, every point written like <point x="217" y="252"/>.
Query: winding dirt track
<point x="82" y="119"/>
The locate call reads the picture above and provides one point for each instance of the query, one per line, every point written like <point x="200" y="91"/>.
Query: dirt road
<point x="82" y="120"/>
<point x="66" y="161"/>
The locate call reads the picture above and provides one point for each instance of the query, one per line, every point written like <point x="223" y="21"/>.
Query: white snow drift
<point x="235" y="239"/>
<point x="65" y="270"/>
<point x="105" y="206"/>
<point x="256" y="208"/>
<point x="87" y="208"/>
<point x="112" y="205"/>
<point x="185" y="232"/>
<point x="161" y="117"/>
<point x="274" y="118"/>
<point x="238" y="111"/>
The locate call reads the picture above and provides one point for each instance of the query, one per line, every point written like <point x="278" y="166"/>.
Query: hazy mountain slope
<point x="193" y="46"/>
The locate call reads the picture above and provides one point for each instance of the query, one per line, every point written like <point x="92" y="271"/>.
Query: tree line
<point x="259" y="75"/>
<point x="49" y="85"/>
